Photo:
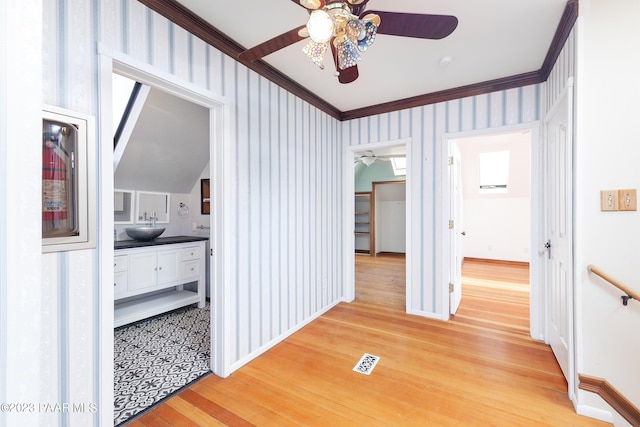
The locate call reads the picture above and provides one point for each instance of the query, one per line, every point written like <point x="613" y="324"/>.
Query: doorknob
<point x="464" y="233"/>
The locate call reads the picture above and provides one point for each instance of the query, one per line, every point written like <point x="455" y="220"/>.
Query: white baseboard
<point x="249" y="357"/>
<point x="592" y="412"/>
<point x="426" y="314"/>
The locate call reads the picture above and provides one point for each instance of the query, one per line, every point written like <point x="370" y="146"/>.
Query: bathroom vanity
<point x="149" y="277"/>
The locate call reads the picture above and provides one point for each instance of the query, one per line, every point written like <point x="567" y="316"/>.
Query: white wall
<point x="607" y="154"/>
<point x="391" y="214"/>
<point x="497" y="226"/>
<point x="24" y="309"/>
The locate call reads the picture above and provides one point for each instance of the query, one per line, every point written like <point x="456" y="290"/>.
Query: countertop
<point x="127" y="244"/>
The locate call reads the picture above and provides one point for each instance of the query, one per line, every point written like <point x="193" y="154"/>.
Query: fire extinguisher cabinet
<point x="67" y="154"/>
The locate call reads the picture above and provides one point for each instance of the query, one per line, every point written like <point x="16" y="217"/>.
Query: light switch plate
<point x="627" y="200"/>
<point x="609" y="200"/>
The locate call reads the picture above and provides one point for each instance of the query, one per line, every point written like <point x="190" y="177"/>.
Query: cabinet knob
<point x="115" y="284"/>
<point x="160" y="268"/>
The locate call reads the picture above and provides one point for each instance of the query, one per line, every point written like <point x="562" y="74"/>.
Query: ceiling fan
<point x="369" y="157"/>
<point x="346" y="28"/>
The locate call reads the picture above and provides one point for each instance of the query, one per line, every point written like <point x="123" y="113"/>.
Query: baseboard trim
<point x="267" y="346"/>
<point x="612" y="396"/>
<point x="497" y="261"/>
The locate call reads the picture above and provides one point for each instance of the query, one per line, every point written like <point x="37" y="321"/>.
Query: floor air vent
<point x="366" y="364"/>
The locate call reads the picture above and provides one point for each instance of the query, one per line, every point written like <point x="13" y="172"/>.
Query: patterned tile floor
<point x="157" y="356"/>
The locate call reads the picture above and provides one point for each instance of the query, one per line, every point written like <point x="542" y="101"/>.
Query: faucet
<point x="153" y="219"/>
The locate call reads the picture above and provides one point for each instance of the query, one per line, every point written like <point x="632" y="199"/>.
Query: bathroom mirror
<point x="149" y="204"/>
<point x="123" y="206"/>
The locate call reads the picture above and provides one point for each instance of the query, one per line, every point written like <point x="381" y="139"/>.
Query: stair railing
<point x="628" y="293"/>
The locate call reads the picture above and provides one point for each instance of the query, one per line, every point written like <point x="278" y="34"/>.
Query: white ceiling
<point x="494" y="39"/>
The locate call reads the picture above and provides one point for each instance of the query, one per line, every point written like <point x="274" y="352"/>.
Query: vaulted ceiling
<point x="498" y="44"/>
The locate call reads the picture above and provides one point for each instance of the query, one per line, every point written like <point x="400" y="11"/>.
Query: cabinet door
<point x="168" y="267"/>
<point x="142" y="270"/>
<point x="120" y="283"/>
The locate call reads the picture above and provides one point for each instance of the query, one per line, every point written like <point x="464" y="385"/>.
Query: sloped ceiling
<point x="169" y="146"/>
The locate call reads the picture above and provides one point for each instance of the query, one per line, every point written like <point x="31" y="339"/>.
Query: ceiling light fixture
<point x="350" y="34"/>
<point x="320" y="26"/>
<point x="368" y="161"/>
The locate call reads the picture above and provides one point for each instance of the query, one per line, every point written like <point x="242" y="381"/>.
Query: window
<point x="125" y="92"/>
<point x="494" y="172"/>
<point x="399" y="165"/>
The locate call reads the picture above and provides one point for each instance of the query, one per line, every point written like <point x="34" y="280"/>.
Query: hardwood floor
<point x="479" y="369"/>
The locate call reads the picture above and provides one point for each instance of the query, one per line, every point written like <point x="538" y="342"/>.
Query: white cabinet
<point x="149" y="280"/>
<point x="153" y="268"/>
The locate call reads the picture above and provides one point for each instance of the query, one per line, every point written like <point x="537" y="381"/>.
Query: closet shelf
<point x="363" y="220"/>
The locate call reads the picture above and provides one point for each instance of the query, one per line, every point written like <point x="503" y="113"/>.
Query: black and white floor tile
<point x="157" y="356"/>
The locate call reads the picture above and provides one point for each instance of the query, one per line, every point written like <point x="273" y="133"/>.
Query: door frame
<point x="536" y="271"/>
<point x="348" y="243"/>
<point x="108" y="62"/>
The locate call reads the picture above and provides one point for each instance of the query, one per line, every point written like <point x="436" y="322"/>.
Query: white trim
<point x="442" y="218"/>
<point x="592" y="412"/>
<point x="349" y="208"/>
<point x="109" y="62"/>
<point x="272" y="343"/>
<point x="427" y="314"/>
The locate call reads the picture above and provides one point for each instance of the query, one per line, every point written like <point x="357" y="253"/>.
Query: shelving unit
<point x="364" y="223"/>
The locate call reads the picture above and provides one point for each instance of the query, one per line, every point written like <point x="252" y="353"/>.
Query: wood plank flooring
<point x="479" y="369"/>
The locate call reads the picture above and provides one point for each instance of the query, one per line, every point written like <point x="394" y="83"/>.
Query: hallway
<point x="475" y="370"/>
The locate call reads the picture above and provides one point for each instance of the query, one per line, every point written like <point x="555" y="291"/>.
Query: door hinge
<point x="450" y="160"/>
<point x="211" y="249"/>
<point x="450" y="224"/>
<point x="450" y="288"/>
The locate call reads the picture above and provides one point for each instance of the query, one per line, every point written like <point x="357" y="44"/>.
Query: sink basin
<point x="144" y="234"/>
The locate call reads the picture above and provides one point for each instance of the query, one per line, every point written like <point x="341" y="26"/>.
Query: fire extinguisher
<point x="54" y="183"/>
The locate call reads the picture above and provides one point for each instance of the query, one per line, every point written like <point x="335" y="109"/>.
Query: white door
<point x="559" y="209"/>
<point x="455" y="229"/>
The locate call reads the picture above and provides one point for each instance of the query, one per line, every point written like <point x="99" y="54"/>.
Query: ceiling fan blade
<point x="273" y="45"/>
<point x="416" y="25"/>
<point x="310" y="4"/>
<point x="347" y="75"/>
<point x="390" y="156"/>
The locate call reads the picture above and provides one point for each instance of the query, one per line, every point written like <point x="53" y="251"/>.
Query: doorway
<point x="398" y="147"/>
<point x="122" y="64"/>
<point x="499" y="219"/>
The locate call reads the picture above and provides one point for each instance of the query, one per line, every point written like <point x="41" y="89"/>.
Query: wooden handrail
<point x="629" y="294"/>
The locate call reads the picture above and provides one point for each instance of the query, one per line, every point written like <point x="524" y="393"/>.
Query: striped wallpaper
<point x="425" y="127"/>
<point x="285" y="194"/>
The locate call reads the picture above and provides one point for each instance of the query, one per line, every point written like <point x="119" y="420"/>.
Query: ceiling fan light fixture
<point x="362" y="33"/>
<point x="348" y="55"/>
<point x="316" y="52"/>
<point x="368" y="161"/>
<point x="320" y="26"/>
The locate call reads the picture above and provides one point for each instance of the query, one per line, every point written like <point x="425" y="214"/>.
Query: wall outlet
<point x="608" y="200"/>
<point x="627" y="200"/>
